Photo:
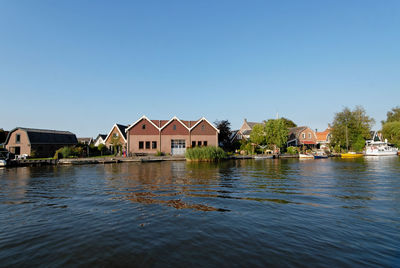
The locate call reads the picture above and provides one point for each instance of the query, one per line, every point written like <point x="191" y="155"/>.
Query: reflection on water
<point x="328" y="212"/>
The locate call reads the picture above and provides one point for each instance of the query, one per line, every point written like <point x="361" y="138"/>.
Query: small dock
<point x="87" y="161"/>
<point x="31" y="162"/>
<point x="142" y="159"/>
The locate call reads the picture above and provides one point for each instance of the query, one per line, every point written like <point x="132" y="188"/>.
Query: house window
<point x="205" y="143"/>
<point x="144" y="126"/>
<point x="309" y="135"/>
<point x="174" y="127"/>
<point x="18" y="138"/>
<point x="202" y="127"/>
<point x="154" y="145"/>
<point x="115" y="135"/>
<point x="199" y="143"/>
<point x="304" y="135"/>
<point x="147" y="145"/>
<point x="193" y="144"/>
<point x="140" y="144"/>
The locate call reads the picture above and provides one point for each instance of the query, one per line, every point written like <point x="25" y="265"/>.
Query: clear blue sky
<point x="85" y="65"/>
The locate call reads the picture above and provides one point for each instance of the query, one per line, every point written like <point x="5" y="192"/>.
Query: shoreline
<point x="116" y="159"/>
<point x="104" y="160"/>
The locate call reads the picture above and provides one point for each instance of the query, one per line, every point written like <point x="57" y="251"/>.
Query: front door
<point x="178" y="147"/>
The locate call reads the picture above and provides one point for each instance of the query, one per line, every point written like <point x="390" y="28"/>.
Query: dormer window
<point x="144" y="126"/>
<point x="174" y="127"/>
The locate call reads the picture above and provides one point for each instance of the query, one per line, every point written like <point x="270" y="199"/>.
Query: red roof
<point x="322" y="136"/>
<point x="308" y="142"/>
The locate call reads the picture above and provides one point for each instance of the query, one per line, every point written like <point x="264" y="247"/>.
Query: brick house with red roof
<point x="172" y="136"/>
<point x="302" y="136"/>
<point x="324" y="138"/>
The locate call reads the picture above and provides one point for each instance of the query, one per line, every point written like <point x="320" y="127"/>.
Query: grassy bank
<point x="207" y="153"/>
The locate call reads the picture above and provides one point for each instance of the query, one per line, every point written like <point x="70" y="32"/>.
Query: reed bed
<point x="207" y="153"/>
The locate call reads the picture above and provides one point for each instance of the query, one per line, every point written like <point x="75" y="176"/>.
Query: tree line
<point x="349" y="131"/>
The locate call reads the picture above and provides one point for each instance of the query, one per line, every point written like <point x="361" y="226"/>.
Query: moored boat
<point x="320" y="155"/>
<point x="379" y="148"/>
<point x="3" y="163"/>
<point x="352" y="155"/>
<point x="306" y="156"/>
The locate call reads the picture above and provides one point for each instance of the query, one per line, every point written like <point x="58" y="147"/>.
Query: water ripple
<point x="237" y="213"/>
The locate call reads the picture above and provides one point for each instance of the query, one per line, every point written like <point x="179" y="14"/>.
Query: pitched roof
<point x="103" y="136"/>
<point x="190" y="124"/>
<point x="233" y="134"/>
<point x="122" y="129"/>
<point x="160" y="124"/>
<point x="252" y="124"/>
<point x="177" y="119"/>
<point x="246" y="132"/>
<point x="296" y="130"/>
<point x="46" y="136"/>
<point x="322" y="136"/>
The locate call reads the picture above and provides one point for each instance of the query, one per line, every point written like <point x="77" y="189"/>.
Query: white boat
<point x="376" y="147"/>
<point x="3" y="163"/>
<point x="306" y="156"/>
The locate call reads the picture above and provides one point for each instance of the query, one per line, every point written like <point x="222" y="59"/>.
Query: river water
<point x="328" y="212"/>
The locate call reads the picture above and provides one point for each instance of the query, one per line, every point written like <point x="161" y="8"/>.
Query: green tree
<point x="289" y="123"/>
<point x="350" y="128"/>
<point x="101" y="148"/>
<point x="393" y="115"/>
<point x="257" y="135"/>
<point x="391" y="131"/>
<point x="116" y="143"/>
<point x="276" y="133"/>
<point x="224" y="127"/>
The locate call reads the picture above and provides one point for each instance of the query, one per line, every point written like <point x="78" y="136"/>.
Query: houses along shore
<point x="157" y="137"/>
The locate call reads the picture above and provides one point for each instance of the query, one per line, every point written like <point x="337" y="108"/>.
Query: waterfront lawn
<point x="101" y="156"/>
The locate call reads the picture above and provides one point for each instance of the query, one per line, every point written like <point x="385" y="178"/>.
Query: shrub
<point x="66" y="152"/>
<point x="207" y="153"/>
<point x="77" y="151"/>
<point x="159" y="153"/>
<point x="247" y="147"/>
<point x="292" y="150"/>
<point x="101" y="148"/>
